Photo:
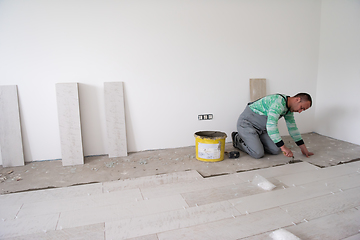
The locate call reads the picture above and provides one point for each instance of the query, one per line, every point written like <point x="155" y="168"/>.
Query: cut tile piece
<point x="91" y="215"/>
<point x="257" y="88"/>
<point x="28" y="225"/>
<point x="67" y="95"/>
<point x="233" y="228"/>
<point x="151" y="181"/>
<point x="115" y="119"/>
<point x="161" y="222"/>
<point x="11" y="146"/>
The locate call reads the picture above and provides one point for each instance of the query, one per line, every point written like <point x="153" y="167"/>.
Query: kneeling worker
<point x="257" y="125"/>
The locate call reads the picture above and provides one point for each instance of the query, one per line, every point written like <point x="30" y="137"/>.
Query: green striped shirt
<point x="274" y="107"/>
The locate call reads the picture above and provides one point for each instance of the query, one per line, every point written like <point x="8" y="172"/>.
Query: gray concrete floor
<point x="51" y="174"/>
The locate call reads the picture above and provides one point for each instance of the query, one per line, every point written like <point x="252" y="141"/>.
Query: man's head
<point x="300" y="102"/>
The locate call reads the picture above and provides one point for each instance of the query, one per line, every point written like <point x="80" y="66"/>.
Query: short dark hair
<point x="304" y="97"/>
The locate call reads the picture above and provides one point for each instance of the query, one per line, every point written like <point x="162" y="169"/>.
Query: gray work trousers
<point x="252" y="136"/>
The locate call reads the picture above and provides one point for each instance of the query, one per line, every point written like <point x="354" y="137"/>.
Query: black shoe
<point x="233" y="134"/>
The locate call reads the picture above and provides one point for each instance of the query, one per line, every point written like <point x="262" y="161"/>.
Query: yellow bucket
<point x="210" y="146"/>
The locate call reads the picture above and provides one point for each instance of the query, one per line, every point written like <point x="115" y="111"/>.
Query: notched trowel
<point x="293" y="159"/>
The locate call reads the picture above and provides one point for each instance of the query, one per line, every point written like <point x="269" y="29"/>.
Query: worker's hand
<point x="305" y="151"/>
<point x="286" y="151"/>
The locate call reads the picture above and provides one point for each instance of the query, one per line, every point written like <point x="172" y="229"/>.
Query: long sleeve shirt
<point x="274" y="107"/>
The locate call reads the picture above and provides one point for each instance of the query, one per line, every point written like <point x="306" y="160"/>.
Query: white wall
<point x="338" y="86"/>
<point x="177" y="59"/>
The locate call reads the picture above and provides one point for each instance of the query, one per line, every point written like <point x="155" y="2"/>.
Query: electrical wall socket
<point x="205" y="117"/>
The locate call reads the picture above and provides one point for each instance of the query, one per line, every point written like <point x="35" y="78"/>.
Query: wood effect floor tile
<point x="183" y="187"/>
<point x="161" y="222"/>
<point x="147" y="237"/>
<point x="278" y="171"/>
<point x="51" y="194"/>
<point x="262" y="236"/>
<point x="339" y="183"/>
<point x="295" y="194"/>
<point x="318" y="175"/>
<point x="325" y="205"/>
<point x="339" y="225"/>
<point x="78" y="203"/>
<point x="224" y="180"/>
<point x="234" y="228"/>
<point x="201" y="191"/>
<point x="28" y="225"/>
<point x="9" y="211"/>
<point x="89" y="232"/>
<point x="267" y="200"/>
<point x="151" y="181"/>
<point x="353" y="165"/>
<point x="353" y="237"/>
<point x="233" y="191"/>
<point x="91" y="215"/>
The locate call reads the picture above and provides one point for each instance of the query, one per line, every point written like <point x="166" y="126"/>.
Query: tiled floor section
<point x="310" y="202"/>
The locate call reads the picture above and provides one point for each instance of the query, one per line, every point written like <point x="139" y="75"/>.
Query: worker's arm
<point x="292" y="129"/>
<point x="273" y="115"/>
<point x="272" y="127"/>
<point x="295" y="134"/>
